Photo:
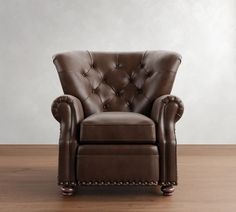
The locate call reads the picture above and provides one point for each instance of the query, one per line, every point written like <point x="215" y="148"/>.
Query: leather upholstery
<point x="69" y="112"/>
<point x="117" y="127"/>
<point x="116" y="164"/>
<point x="99" y="87"/>
<point x="117" y="81"/>
<point x="167" y="110"/>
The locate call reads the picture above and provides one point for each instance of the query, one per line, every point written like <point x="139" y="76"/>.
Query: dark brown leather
<point x="69" y="112"/>
<point x="117" y="81"/>
<point x="117" y="128"/>
<point x="116" y="164"/>
<point x="167" y="110"/>
<point x="127" y="149"/>
<point x="96" y="82"/>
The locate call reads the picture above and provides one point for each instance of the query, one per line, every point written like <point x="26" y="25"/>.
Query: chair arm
<point x="163" y="101"/>
<point x="68" y="111"/>
<point x="166" y="111"/>
<point x="73" y="102"/>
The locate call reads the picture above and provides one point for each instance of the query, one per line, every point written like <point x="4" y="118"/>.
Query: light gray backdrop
<point x="203" y="31"/>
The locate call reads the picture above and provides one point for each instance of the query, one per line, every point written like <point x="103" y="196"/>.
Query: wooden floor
<point x="207" y="182"/>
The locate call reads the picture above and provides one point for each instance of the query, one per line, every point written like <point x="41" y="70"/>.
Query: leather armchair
<point x="117" y="119"/>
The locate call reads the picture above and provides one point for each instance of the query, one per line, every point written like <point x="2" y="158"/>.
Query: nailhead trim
<point x="173" y="99"/>
<point x="119" y="183"/>
<point x="168" y="183"/>
<point x="66" y="183"/>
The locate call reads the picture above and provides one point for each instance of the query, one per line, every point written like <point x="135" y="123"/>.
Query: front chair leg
<point x="68" y="190"/>
<point x="167" y="189"/>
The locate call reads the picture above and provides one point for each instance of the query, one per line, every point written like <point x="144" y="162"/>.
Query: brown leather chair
<point x="117" y="119"/>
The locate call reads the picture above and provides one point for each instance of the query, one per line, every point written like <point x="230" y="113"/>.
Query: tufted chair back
<point x="105" y="81"/>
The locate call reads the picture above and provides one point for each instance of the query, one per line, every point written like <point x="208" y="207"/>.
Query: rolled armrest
<point x="166" y="111"/>
<point x="68" y="111"/>
<point x="162" y="102"/>
<point x="74" y="104"/>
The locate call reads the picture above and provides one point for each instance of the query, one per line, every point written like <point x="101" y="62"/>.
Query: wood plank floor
<point x="207" y="182"/>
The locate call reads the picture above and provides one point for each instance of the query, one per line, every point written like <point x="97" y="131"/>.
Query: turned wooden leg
<point x="167" y="190"/>
<point x="67" y="190"/>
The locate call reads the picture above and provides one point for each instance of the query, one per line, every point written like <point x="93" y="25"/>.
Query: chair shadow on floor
<point x="40" y="185"/>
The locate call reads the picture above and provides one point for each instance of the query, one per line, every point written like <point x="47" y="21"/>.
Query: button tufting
<point x="141" y="65"/>
<point x="84" y="74"/>
<point x="118" y="65"/>
<point x="139" y="90"/>
<point x="148" y="74"/>
<point x="118" y="93"/>
<point x="131" y="79"/>
<point x="129" y="105"/>
<point x="117" y="82"/>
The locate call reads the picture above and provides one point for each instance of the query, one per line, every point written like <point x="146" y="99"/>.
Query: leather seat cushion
<point x="117" y="127"/>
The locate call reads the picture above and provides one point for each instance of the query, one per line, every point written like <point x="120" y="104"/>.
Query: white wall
<point x="203" y="31"/>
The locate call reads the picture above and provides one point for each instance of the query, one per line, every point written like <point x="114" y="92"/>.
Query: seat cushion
<point x="117" y="127"/>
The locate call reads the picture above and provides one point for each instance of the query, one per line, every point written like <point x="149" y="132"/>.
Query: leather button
<point x="140" y="91"/>
<point x="129" y="105"/>
<point x="118" y="93"/>
<point x="148" y="74"/>
<point x="84" y="74"/>
<point x="131" y="79"/>
<point x="118" y="65"/>
<point x="95" y="90"/>
<point x="93" y="65"/>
